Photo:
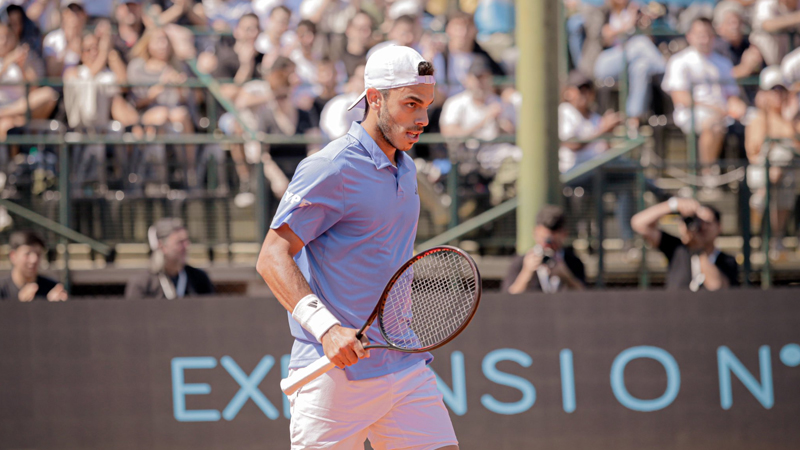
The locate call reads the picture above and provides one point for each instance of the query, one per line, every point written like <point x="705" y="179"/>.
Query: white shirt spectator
<point x="262" y="8"/>
<point x="13" y="74"/>
<point x="461" y="109"/>
<point x="772" y="46"/>
<point x="709" y="78"/>
<point x="265" y="47"/>
<point x="88" y="100"/>
<point x="574" y="125"/>
<point x="790" y="67"/>
<point x="55" y="44"/>
<point x="335" y="17"/>
<point x="335" y="119"/>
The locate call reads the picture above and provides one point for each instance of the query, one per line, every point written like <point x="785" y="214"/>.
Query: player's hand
<point x="342" y="347"/>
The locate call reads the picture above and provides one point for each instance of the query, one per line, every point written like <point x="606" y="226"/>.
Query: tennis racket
<point x="426" y="304"/>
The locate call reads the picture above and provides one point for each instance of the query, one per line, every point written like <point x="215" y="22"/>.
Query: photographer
<point x="548" y="266"/>
<point x="694" y="261"/>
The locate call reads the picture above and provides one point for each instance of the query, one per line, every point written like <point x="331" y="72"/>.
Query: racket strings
<point x="430" y="301"/>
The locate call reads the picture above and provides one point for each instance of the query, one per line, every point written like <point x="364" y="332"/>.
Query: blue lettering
<point x="456" y="398"/>
<point x="502" y="378"/>
<point x="618" y="378"/>
<point x="567" y="380"/>
<point x="249" y="387"/>
<point x="727" y="362"/>
<point x="180" y="389"/>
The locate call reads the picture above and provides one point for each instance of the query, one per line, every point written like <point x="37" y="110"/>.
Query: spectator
<point x="336" y="118"/>
<point x="130" y="27"/>
<point x="331" y="16"/>
<point x="155" y="71"/>
<point x="462" y="48"/>
<point x="276" y="40"/>
<point x="25" y="283"/>
<point x="641" y="56"/>
<point x="694" y="260"/>
<point x="91" y="90"/>
<point x="733" y="44"/>
<point x="169" y="276"/>
<point x="771" y="134"/>
<point x="357" y="42"/>
<point x="550" y="266"/>
<point x="26" y="31"/>
<point x="223" y="15"/>
<point x="772" y="19"/>
<point x="577" y="121"/>
<point x="180" y="12"/>
<point x="714" y="92"/>
<point x="62" y="47"/>
<point x="15" y="71"/>
<point x="324" y="88"/>
<point x="305" y="55"/>
<point x="240" y="61"/>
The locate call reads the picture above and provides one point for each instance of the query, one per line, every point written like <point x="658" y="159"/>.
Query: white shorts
<point x="399" y="410"/>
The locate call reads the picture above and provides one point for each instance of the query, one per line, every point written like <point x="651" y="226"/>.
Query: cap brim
<point x="361" y="98"/>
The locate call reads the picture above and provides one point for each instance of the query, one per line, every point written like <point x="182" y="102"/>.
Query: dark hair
<point x="551" y="217"/>
<point x="26" y="237"/>
<point x="312" y="27"/>
<point x="281" y="63"/>
<point x="358" y="13"/>
<point x="717" y="215"/>
<point x="287" y="10"/>
<point x="703" y="20"/>
<point x="250" y="15"/>
<point x="407" y="18"/>
<point x="424" y="68"/>
<point x="460" y="15"/>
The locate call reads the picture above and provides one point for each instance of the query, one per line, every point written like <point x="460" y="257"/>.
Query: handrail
<point x="601" y="160"/>
<point x="511" y="205"/>
<point x="55" y="227"/>
<point x="77" y="138"/>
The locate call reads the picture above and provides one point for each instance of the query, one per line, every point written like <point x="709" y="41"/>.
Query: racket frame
<point x="382" y="301"/>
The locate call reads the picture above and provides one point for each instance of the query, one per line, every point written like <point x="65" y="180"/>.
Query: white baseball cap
<point x="770" y="77"/>
<point x="392" y="66"/>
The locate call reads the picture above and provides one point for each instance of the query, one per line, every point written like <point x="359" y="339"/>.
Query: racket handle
<point x="303" y="376"/>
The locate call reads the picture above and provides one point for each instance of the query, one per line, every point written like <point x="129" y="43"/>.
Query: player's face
<point x="26" y="259"/>
<point x="403" y="114"/>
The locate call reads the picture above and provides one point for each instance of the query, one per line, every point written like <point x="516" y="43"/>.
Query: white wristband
<point x="312" y="315"/>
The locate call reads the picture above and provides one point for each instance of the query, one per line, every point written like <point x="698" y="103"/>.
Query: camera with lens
<point x="693" y="223"/>
<point x="547" y="253"/>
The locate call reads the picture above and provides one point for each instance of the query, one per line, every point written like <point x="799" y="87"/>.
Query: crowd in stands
<point x="282" y="67"/>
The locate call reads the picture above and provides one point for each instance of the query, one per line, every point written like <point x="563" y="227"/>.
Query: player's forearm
<point x="278" y="269"/>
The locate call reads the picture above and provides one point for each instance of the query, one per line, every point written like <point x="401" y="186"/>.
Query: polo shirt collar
<point x="379" y="158"/>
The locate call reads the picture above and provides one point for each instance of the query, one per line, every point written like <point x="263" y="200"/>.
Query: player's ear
<point x="374" y="98"/>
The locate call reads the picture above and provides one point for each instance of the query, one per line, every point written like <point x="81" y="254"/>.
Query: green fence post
<point x="452" y="190"/>
<point x="644" y="274"/>
<point x="598" y="203"/>
<point x="64" y="207"/>
<point x="766" y="231"/>
<point x="744" y="214"/>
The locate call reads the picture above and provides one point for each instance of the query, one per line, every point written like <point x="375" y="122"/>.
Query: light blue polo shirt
<point x="357" y="214"/>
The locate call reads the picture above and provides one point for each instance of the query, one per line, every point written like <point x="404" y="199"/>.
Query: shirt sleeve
<point x="314" y="200"/>
<point x="674" y="77"/>
<point x="567" y="126"/>
<point x="668" y="245"/>
<point x="450" y="112"/>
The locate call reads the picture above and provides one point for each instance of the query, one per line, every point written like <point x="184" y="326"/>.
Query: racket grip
<point x="301" y="377"/>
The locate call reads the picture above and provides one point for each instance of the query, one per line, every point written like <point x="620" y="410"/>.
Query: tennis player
<point x="347" y="221"/>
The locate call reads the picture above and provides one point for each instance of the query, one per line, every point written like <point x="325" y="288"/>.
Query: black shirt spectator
<point x="574" y="264"/>
<point x="679" y="271"/>
<point x="10" y="291"/>
<point x="149" y="285"/>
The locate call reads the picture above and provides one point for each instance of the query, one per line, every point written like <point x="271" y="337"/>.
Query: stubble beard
<point x="385" y="126"/>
